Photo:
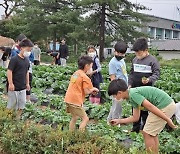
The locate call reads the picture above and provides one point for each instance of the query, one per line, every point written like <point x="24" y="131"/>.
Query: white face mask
<point x="92" y="54"/>
<point x="26" y="54"/>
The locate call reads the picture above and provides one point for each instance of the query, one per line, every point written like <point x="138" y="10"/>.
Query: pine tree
<point x="116" y="18"/>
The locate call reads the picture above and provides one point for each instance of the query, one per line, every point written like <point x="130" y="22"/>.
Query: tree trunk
<point x="102" y="32"/>
<point x="76" y="47"/>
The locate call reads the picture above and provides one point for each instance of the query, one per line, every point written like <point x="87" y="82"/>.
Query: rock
<point x="33" y="98"/>
<point x="48" y="91"/>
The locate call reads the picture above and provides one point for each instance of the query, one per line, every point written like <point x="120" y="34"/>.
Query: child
<point x="145" y="71"/>
<point x="117" y="70"/>
<point x="79" y="86"/>
<point x="95" y="74"/>
<point x="30" y="56"/>
<point x="160" y="105"/>
<point x="18" y="78"/>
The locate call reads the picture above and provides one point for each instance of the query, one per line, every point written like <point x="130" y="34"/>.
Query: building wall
<point x="168" y="55"/>
<point x="162" y="29"/>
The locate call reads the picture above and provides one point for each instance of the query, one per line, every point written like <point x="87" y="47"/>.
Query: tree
<point x="115" y="18"/>
<point x="48" y="18"/>
<point x="9" y="7"/>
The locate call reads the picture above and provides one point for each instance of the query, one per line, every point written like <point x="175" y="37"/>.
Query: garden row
<point x="49" y="86"/>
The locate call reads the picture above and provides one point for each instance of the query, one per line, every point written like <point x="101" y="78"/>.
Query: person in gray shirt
<point x="36" y="51"/>
<point x="145" y="70"/>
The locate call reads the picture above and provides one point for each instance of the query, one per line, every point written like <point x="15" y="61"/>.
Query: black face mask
<point x="119" y="57"/>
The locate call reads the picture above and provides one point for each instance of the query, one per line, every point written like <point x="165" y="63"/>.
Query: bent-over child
<point x="160" y="105"/>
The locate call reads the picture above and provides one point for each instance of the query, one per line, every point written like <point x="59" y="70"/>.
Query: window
<point x="151" y="31"/>
<point x="159" y="33"/>
<point x="175" y="34"/>
<point x="109" y="51"/>
<point x="167" y="34"/>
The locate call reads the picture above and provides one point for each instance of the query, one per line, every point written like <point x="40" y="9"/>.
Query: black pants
<point x="139" y="125"/>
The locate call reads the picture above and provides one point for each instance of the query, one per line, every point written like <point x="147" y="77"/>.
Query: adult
<point x="63" y="52"/>
<point x="36" y="51"/>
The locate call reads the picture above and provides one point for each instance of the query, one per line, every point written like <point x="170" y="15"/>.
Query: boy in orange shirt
<point x="79" y="86"/>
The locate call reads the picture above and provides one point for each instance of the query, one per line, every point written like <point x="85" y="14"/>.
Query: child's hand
<point x="145" y="80"/>
<point x="11" y="87"/>
<point x="171" y="124"/>
<point x="114" y="122"/>
<point x="95" y="91"/>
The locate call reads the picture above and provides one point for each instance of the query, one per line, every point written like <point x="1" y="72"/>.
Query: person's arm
<point x="112" y="77"/>
<point x="98" y="67"/>
<point x="39" y="54"/>
<point x="10" y="81"/>
<point x="133" y="118"/>
<point x="27" y="81"/>
<point x="92" y="90"/>
<point x="67" y="51"/>
<point x="112" y="71"/>
<point x="58" y="55"/>
<point x="155" y="72"/>
<point x="130" y="80"/>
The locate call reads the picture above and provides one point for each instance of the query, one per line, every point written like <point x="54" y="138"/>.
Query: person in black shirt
<point x="145" y="71"/>
<point x="63" y="52"/>
<point x="18" y="78"/>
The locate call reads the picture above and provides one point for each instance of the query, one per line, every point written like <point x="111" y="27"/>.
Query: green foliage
<point x="170" y="82"/>
<point x="45" y="129"/>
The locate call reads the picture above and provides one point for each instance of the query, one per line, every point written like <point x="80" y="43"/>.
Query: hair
<point x="26" y="43"/>
<point x="2" y="48"/>
<point x="91" y="47"/>
<point x="63" y="39"/>
<point x="20" y="37"/>
<point x="120" y="47"/>
<point x="117" y="85"/>
<point x="84" y="60"/>
<point x="140" y="44"/>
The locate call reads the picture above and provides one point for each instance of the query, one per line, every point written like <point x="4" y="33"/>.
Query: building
<point x="164" y="35"/>
<point x="162" y="29"/>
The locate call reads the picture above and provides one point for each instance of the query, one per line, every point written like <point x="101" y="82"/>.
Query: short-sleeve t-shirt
<point x="157" y="97"/>
<point x="75" y="93"/>
<point x="118" y="68"/>
<point x="19" y="67"/>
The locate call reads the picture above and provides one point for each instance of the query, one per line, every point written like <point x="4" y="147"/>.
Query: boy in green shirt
<point x="160" y="105"/>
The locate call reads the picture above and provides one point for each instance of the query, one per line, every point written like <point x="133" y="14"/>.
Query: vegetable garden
<point x="44" y="124"/>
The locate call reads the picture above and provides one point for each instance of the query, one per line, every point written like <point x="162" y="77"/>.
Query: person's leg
<point x="28" y="93"/>
<point x="72" y="124"/>
<point x="12" y="101"/>
<point x="156" y="143"/>
<point x="111" y="111"/>
<point x="21" y="103"/>
<point x="84" y="122"/>
<point x="137" y="125"/>
<point x="117" y="110"/>
<point x="63" y="61"/>
<point x="150" y="143"/>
